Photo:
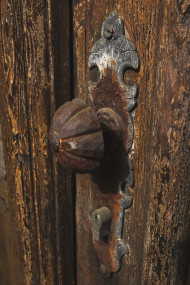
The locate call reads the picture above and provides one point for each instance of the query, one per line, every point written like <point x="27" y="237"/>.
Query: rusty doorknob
<point x="79" y="136"/>
<point x="98" y="138"/>
<point x="76" y="137"/>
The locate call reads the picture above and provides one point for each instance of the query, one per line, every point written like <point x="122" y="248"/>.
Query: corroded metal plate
<point x="113" y="101"/>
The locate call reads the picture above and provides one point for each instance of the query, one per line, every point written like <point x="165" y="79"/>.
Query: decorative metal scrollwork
<point x="96" y="139"/>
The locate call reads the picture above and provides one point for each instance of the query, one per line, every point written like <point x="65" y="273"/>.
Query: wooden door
<point x="46" y="237"/>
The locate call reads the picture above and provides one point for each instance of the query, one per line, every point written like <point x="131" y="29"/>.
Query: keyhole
<point x="130" y="77"/>
<point x="94" y="74"/>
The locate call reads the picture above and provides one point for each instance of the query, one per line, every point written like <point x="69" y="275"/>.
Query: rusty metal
<point x="76" y="137"/>
<point x="101" y="221"/>
<point x="108" y="32"/>
<point x="113" y="101"/>
<point x="97" y="139"/>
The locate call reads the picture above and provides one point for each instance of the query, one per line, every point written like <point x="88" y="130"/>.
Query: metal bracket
<point x="97" y="140"/>
<point x="112" y="101"/>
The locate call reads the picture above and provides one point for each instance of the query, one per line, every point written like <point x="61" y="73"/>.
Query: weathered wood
<point x="4" y="223"/>
<point x="35" y="78"/>
<point x="157" y="224"/>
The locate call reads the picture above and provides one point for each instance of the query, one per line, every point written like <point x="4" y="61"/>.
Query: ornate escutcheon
<point x="96" y="138"/>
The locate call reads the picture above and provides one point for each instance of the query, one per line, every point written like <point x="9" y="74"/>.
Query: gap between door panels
<point x="65" y="190"/>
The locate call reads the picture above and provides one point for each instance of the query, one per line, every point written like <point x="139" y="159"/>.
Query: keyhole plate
<point x="113" y="102"/>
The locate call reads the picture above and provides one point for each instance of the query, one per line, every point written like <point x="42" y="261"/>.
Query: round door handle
<point x="86" y="139"/>
<point x="76" y="137"/>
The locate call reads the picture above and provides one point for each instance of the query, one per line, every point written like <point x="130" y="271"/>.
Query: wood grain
<point x="33" y="53"/>
<point x="156" y="227"/>
<point x="36" y="77"/>
<point x="5" y="241"/>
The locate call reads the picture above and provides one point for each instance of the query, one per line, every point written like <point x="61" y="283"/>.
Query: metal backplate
<point x="113" y="101"/>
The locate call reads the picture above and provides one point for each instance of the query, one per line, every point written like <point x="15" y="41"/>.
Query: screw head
<point x="108" y="32"/>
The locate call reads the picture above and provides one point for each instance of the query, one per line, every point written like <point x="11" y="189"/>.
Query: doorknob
<point x="76" y="137"/>
<point x="96" y="138"/>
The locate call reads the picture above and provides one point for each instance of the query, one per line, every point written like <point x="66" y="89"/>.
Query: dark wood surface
<point x="156" y="227"/>
<point x="5" y="241"/>
<point x="35" y="78"/>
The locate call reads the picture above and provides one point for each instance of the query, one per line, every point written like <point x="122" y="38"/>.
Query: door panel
<point x="45" y="46"/>
<point x="35" y="75"/>
<point x="156" y="226"/>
